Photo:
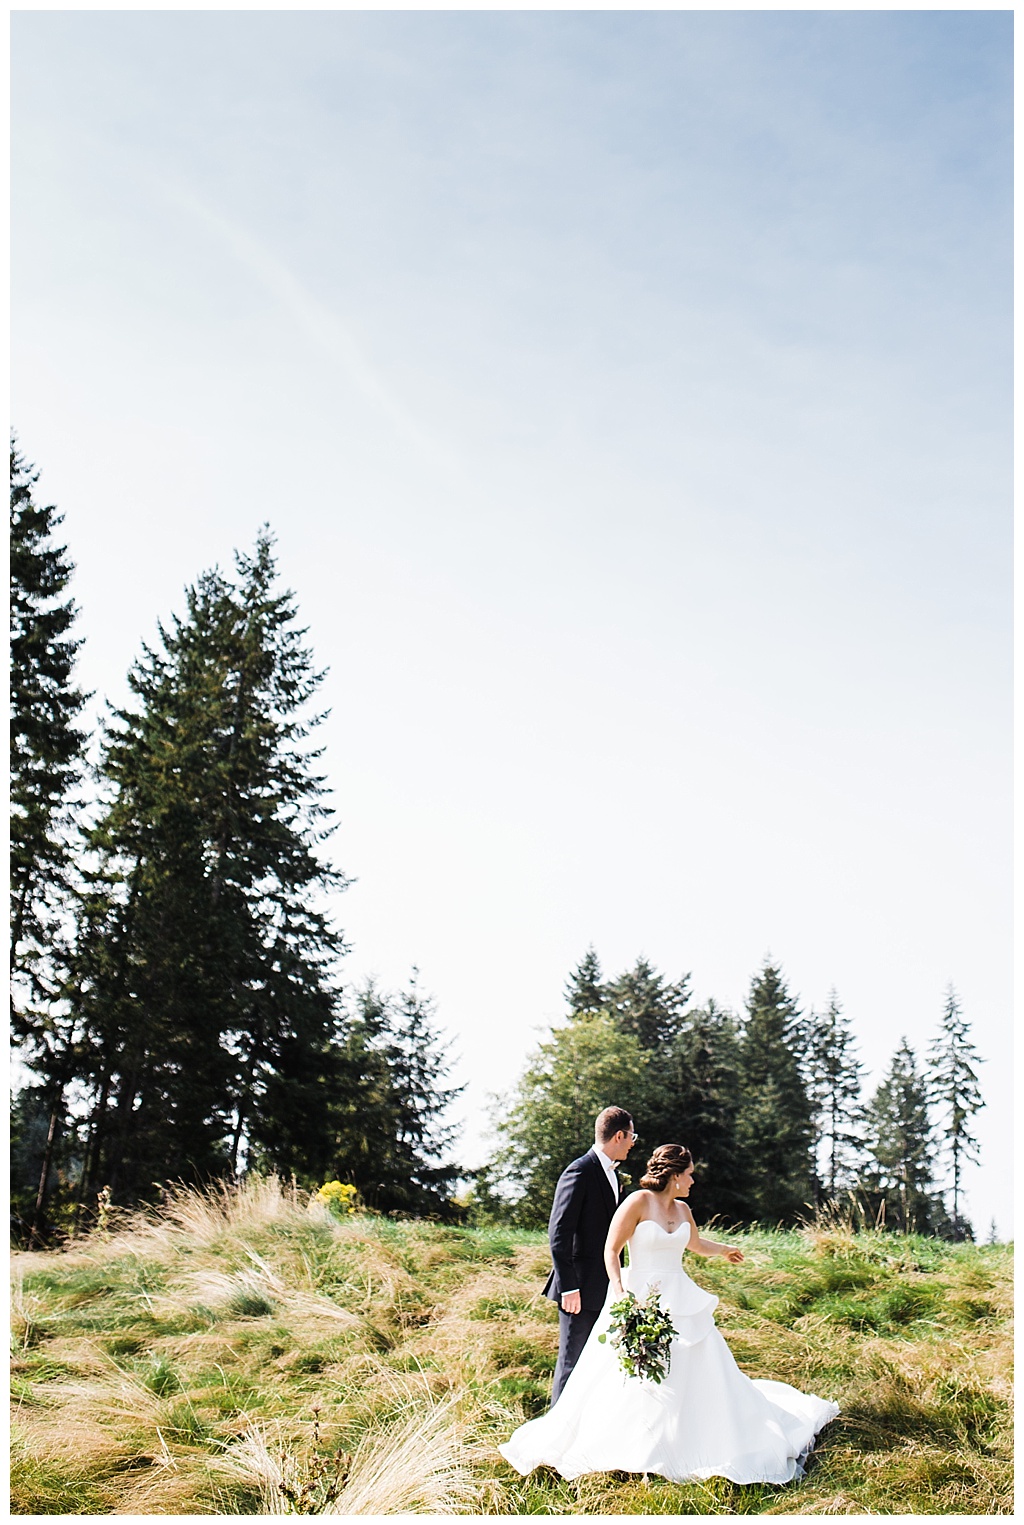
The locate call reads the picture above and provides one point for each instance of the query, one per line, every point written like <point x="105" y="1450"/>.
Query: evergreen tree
<point x="694" y="1099"/>
<point x="418" y="1059"/>
<point x="642" y="1002"/>
<point x="384" y="1108"/>
<point x="205" y="959"/>
<point x="955" y="1091"/>
<point x="46" y="743"/>
<point x="47" y="760"/>
<point x="585" y="990"/>
<point x="649" y="1008"/>
<point x="901" y="1145"/>
<point x="774" y="1127"/>
<point x="833" y="1074"/>
<point x="689" y="1091"/>
<point x="548" y="1120"/>
<point x="364" y="1122"/>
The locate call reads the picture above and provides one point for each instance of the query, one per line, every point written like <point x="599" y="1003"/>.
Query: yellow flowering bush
<point x="340" y="1196"/>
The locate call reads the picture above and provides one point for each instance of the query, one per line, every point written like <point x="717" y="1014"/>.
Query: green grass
<point x="247" y="1347"/>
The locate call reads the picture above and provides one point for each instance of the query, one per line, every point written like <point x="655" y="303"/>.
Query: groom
<point x="586" y="1197"/>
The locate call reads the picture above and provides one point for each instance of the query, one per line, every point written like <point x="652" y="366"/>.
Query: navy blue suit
<point x="580" y="1215"/>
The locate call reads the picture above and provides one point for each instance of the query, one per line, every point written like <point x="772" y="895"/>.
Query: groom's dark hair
<point x="611" y="1121"/>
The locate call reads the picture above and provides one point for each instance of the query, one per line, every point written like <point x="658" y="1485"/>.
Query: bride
<point x="706" y="1419"/>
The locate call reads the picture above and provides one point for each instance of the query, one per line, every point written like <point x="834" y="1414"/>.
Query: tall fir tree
<point x="643" y="1003"/>
<point x="696" y="1101"/>
<point x="206" y="958"/>
<point x="833" y="1074"/>
<point x="585" y="990"/>
<point x="47" y="742"/>
<point x="364" y="1116"/>
<point x="774" y="1128"/>
<point x="47" y="745"/>
<point x="419" y="1061"/>
<point x="385" y="1124"/>
<point x="646" y="1006"/>
<point x="900" y="1165"/>
<point x="954" y="1090"/>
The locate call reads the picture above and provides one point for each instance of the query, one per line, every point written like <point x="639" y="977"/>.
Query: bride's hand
<point x="733" y="1256"/>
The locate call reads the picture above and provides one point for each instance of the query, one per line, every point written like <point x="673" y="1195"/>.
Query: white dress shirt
<point x="609" y="1170"/>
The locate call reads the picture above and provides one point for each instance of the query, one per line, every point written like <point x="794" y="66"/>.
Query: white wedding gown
<point x="706" y="1419"/>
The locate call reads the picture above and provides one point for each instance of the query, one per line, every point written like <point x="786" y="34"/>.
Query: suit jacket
<point x="580" y="1214"/>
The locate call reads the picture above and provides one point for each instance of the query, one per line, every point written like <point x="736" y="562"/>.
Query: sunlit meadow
<point x="250" y="1351"/>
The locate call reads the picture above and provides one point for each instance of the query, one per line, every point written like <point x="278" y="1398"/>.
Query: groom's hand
<point x="570" y="1302"/>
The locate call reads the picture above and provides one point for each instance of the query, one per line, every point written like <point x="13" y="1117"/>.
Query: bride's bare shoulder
<point x="642" y="1198"/>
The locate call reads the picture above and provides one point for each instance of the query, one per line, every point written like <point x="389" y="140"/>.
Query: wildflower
<point x="340" y="1196"/>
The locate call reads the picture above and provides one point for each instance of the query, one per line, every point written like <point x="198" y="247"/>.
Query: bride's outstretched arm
<point x="700" y="1246"/>
<point x="627" y="1216"/>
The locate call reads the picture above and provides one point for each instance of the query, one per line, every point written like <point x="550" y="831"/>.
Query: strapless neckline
<point x="670" y="1233"/>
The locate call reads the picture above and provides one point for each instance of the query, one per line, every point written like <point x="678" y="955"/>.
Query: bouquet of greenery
<point x="641" y="1332"/>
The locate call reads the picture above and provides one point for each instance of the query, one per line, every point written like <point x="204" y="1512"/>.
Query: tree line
<point x="771" y="1105"/>
<point x="176" y="1000"/>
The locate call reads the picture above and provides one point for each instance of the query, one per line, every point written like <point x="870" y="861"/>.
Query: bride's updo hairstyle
<point x="668" y="1160"/>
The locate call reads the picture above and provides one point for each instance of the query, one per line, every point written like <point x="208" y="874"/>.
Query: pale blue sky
<point x="630" y="395"/>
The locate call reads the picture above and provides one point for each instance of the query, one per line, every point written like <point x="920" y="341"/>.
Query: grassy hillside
<point x="246" y="1353"/>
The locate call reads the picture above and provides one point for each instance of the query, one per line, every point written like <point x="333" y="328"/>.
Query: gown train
<point x="706" y="1419"/>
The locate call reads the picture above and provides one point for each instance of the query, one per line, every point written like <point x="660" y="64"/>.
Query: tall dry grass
<point x="239" y="1351"/>
<point x="418" y="1463"/>
<point x="204" y="1215"/>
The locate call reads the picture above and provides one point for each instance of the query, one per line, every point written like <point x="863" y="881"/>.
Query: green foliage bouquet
<point x="641" y="1332"/>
